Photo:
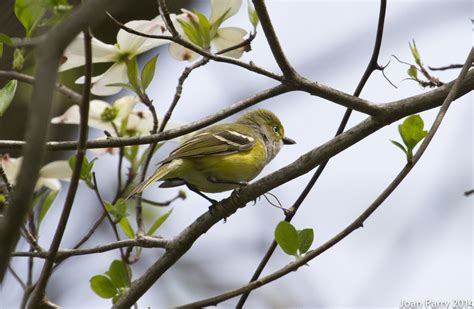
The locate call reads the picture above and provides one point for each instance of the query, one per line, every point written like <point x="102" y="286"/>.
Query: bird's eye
<point x="276" y="130"/>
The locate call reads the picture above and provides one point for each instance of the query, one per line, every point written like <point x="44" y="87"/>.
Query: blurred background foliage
<point x="12" y="124"/>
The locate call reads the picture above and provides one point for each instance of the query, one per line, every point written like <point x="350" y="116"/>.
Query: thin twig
<point x="48" y="55"/>
<point x="162" y="204"/>
<point x="447" y="67"/>
<point x="371" y="67"/>
<point x="109" y="218"/>
<point x="68" y="92"/>
<point x="17" y="278"/>
<point x="39" y="293"/>
<point x="151" y="150"/>
<point x="144" y="242"/>
<point x="469" y="192"/>
<point x="179" y="90"/>
<point x="201" y="51"/>
<point x="245" y="43"/>
<point x="90" y="231"/>
<point x="360" y="220"/>
<point x="273" y="42"/>
<point x="165" y="13"/>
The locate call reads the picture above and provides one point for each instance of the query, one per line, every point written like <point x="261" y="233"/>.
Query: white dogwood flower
<point x="207" y="33"/>
<point x="123" y="116"/>
<point x="49" y="175"/>
<point x="128" y="46"/>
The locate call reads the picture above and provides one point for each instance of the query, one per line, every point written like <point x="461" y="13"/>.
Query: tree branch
<point x="68" y="92"/>
<point x="38" y="298"/>
<point x="144" y="242"/>
<point x="273" y="42"/>
<point x="371" y="67"/>
<point x="48" y="55"/>
<point x="402" y="108"/>
<point x="360" y="220"/>
<point x="238" y="199"/>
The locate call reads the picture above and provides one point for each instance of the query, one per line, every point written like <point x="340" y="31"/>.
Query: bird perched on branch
<point x="222" y="157"/>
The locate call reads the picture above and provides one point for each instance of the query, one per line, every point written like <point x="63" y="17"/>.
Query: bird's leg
<point x="196" y="190"/>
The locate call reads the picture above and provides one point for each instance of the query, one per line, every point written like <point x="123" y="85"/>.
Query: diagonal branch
<point x="238" y="199"/>
<point x="38" y="297"/>
<point x="371" y="67"/>
<point x="357" y="223"/>
<point x="273" y="42"/>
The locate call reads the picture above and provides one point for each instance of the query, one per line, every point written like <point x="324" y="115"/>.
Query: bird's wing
<point x="219" y="140"/>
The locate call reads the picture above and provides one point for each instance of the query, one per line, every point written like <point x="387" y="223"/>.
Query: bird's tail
<point x="158" y="175"/>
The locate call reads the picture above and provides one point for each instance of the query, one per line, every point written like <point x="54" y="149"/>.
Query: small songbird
<point x="222" y="157"/>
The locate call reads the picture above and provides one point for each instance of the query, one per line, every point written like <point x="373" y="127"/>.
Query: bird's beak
<point x="288" y="141"/>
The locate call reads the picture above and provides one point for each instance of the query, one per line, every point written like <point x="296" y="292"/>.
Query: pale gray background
<point x="417" y="246"/>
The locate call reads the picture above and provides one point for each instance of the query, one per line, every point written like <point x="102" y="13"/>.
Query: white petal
<point x="51" y="183"/>
<point x="125" y="106"/>
<point x="74" y="53"/>
<point x="70" y="116"/>
<point x="181" y="53"/>
<point x="228" y="37"/>
<point x="97" y="107"/>
<point x="140" y="121"/>
<point x="56" y="169"/>
<point x="103" y="151"/>
<point x="117" y="73"/>
<point x="11" y="166"/>
<point x="220" y="7"/>
<point x="133" y="44"/>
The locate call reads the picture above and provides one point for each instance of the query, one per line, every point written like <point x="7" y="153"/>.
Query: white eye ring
<point x="275" y="129"/>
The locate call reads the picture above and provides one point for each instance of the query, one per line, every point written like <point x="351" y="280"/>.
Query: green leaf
<point x="159" y="222"/>
<point x="29" y="13"/>
<point x="148" y="72"/>
<point x="191" y="32"/>
<point x="4" y="39"/>
<point x="86" y="170"/>
<point x="119" y="273"/>
<point x="399" y="146"/>
<point x="204" y="29"/>
<point x="253" y="17"/>
<point x="215" y="26"/>
<point x="412" y="72"/>
<point x="3" y="198"/>
<point x="414" y="52"/>
<point x="412" y="131"/>
<point x="7" y="93"/>
<point x="132" y="72"/>
<point x="119" y="210"/>
<point x="287" y="237"/>
<point x="103" y="286"/>
<point x="121" y="85"/>
<point x="120" y="294"/>
<point x="305" y="238"/>
<point x="48" y="201"/>
<point x="127" y="228"/>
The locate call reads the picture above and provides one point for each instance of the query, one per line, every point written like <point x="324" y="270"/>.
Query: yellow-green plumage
<point x="220" y="157"/>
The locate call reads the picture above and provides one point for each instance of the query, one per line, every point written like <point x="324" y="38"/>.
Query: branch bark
<point x="48" y="56"/>
<point x="238" y="199"/>
<point x="359" y="221"/>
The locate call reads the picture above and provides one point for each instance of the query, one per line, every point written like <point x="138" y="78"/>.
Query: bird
<point x="222" y="157"/>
